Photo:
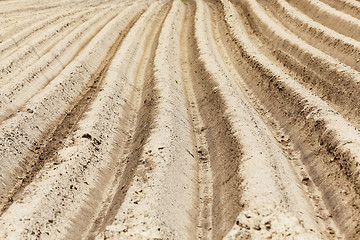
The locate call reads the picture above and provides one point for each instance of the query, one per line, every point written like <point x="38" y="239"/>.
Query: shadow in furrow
<point x="141" y="121"/>
<point x="124" y="175"/>
<point x="46" y="150"/>
<point x="329" y="168"/>
<point x="224" y="149"/>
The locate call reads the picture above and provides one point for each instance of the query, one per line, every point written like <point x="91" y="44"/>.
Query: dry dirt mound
<point x="180" y="119"/>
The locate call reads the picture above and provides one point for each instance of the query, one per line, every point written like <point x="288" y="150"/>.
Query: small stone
<point x="268" y="225"/>
<point x="86" y="135"/>
<point x="305" y="180"/>
<point x="97" y="142"/>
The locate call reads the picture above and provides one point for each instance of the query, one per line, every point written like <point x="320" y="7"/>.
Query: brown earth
<point x="180" y="119"/>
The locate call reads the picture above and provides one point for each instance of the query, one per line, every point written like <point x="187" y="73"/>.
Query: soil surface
<point x="179" y="119"/>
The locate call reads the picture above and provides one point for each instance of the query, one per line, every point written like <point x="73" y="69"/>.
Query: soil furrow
<point x="179" y="119"/>
<point x="330" y="17"/>
<point x="139" y="118"/>
<point x="330" y="79"/>
<point x="24" y="39"/>
<point x="345" y="49"/>
<point x="205" y="175"/>
<point x="34" y="50"/>
<point x="319" y="132"/>
<point x="326" y="225"/>
<point x="351" y="7"/>
<point x="18" y="24"/>
<point x="13" y="22"/>
<point x="18" y="91"/>
<point x="91" y="154"/>
<point x="160" y="200"/>
<point x="49" y="107"/>
<point x="47" y="149"/>
<point x="31" y="7"/>
<point x="42" y="6"/>
<point x="261" y="155"/>
<point x="27" y="34"/>
<point x="31" y="23"/>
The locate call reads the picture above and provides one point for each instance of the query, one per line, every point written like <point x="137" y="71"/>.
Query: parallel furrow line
<point x="86" y="167"/>
<point x="327" y="40"/>
<point x="278" y="196"/>
<point x="27" y="34"/>
<point x="49" y="107"/>
<point x="320" y="132"/>
<point x="205" y="175"/>
<point x="330" y="17"/>
<point x="26" y="18"/>
<point x="351" y="7"/>
<point x="161" y="200"/>
<point x="333" y="81"/>
<point x="23" y="57"/>
<point x="326" y="225"/>
<point x="37" y="6"/>
<point x="18" y="91"/>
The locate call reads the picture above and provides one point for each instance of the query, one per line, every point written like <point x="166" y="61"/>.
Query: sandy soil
<point x="179" y="119"/>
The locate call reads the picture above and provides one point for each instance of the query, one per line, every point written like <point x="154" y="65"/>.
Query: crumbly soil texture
<point x="179" y="119"/>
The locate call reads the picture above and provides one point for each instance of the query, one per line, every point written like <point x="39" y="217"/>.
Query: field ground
<point x="179" y="119"/>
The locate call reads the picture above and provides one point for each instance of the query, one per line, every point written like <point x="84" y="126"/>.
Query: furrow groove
<point x="327" y="77"/>
<point x="321" y="134"/>
<point x="160" y="200"/>
<point x="179" y="119"/>
<point x="49" y="107"/>
<point x="49" y="66"/>
<point x="330" y="17"/>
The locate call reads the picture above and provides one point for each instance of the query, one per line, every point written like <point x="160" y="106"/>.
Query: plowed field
<point x="180" y="119"/>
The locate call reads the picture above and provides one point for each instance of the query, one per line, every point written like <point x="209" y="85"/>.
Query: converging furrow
<point x="179" y="119"/>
